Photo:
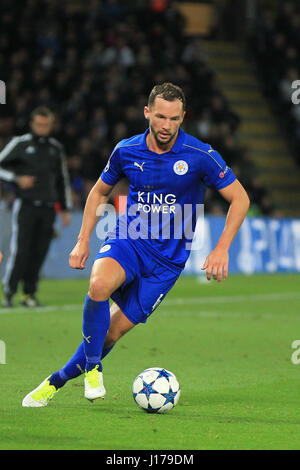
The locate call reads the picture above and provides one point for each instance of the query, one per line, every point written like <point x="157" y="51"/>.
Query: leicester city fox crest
<point x="180" y="167"/>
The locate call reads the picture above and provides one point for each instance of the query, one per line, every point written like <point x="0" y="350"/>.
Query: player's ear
<point x="146" y="112"/>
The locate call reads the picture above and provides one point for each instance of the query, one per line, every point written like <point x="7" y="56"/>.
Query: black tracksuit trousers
<point x="32" y="231"/>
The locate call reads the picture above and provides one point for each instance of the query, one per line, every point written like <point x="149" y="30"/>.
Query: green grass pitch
<point x="229" y="345"/>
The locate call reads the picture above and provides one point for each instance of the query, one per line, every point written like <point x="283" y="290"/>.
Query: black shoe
<point x="7" y="301"/>
<point x="30" y="301"/>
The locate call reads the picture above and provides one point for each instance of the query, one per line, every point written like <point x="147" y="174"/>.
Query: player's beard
<point x="162" y="143"/>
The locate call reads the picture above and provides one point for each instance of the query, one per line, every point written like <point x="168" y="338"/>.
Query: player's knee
<point x="99" y="289"/>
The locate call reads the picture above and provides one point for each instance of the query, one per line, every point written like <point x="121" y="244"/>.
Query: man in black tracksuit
<point x="35" y="163"/>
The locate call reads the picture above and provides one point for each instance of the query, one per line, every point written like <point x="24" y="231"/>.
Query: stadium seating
<point x="94" y="64"/>
<point x="274" y="46"/>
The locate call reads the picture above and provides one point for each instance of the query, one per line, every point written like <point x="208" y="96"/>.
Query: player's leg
<point x="76" y="366"/>
<point x="107" y="275"/>
<point x="19" y="253"/>
<point x="119" y="325"/>
<point x="40" y="242"/>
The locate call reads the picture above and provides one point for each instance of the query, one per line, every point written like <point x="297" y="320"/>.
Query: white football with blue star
<point x="156" y="390"/>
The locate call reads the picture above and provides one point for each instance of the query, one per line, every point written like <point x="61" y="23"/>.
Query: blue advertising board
<point x="262" y="245"/>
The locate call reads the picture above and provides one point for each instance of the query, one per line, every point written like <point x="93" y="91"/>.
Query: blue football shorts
<point x="147" y="281"/>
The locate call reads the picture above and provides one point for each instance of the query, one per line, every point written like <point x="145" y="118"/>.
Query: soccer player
<point x="139" y="262"/>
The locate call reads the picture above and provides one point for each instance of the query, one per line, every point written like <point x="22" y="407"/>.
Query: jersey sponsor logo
<point x="180" y="167"/>
<point x="210" y="150"/>
<point x="152" y="202"/>
<point x="139" y="166"/>
<point x="154" y="198"/>
<point x="105" y="248"/>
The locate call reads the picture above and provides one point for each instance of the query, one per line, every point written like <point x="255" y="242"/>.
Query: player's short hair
<point x="42" y="111"/>
<point x="169" y="92"/>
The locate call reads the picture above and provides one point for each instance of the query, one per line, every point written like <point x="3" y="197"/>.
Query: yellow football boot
<point x="93" y="384"/>
<point x="41" y="395"/>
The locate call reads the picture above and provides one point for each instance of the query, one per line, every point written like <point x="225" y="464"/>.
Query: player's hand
<point x="79" y="255"/>
<point x="1" y="256"/>
<point x="216" y="265"/>
<point x="25" y="181"/>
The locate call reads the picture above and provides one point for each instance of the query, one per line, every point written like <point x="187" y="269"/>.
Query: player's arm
<point x="216" y="264"/>
<point x="8" y="157"/>
<point x="93" y="210"/>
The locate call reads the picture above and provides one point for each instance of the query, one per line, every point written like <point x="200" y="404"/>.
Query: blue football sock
<point x="96" y="320"/>
<point x="74" y="367"/>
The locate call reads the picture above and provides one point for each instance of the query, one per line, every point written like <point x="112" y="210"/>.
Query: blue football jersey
<point x="165" y="193"/>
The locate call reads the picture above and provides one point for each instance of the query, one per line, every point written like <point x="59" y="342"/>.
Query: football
<point x="156" y="390"/>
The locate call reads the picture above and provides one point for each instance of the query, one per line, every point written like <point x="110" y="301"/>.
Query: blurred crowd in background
<point x="94" y="64"/>
<point x="275" y="43"/>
